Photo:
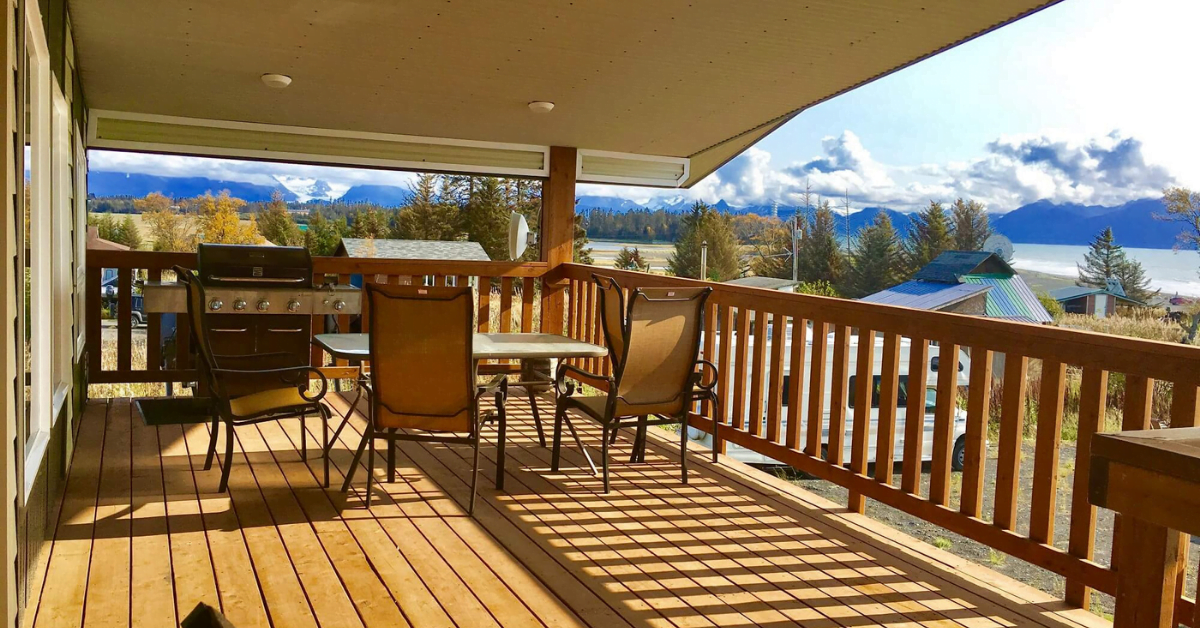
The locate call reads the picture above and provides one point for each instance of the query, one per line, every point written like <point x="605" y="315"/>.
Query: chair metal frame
<point x="497" y="386"/>
<point x="694" y="388"/>
<point x="299" y="376"/>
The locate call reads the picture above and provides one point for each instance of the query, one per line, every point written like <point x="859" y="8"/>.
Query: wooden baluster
<point x="943" y="423"/>
<point x="979" y="393"/>
<point x="774" y="393"/>
<point x="839" y="396"/>
<point x="914" y="415"/>
<point x="709" y="354"/>
<point x="527" y="305"/>
<point x="588" y="321"/>
<point x="124" y="319"/>
<point x="725" y="349"/>
<point x="1045" y="459"/>
<point x="816" y="388"/>
<point x="485" y="305"/>
<point x="575" y="311"/>
<point x="1093" y="405"/>
<point x="506" y="297"/>
<point x="756" y="377"/>
<point x="1185" y="411"/>
<point x="864" y="389"/>
<point x="594" y="328"/>
<point x="94" y="304"/>
<point x="1135" y="415"/>
<point x="889" y="398"/>
<point x="742" y="340"/>
<point x="1012" y="429"/>
<point x="153" y="329"/>
<point x="795" y="389"/>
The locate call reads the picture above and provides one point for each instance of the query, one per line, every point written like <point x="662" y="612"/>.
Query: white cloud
<point x="258" y="172"/>
<point x="1013" y="171"/>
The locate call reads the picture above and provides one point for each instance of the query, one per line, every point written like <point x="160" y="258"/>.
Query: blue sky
<point x="1089" y="101"/>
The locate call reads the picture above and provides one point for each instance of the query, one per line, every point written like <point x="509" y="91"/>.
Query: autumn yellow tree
<point x="170" y="231"/>
<point x="152" y="202"/>
<point x="219" y="220"/>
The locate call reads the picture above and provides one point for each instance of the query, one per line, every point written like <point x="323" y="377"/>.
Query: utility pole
<point x="846" y="207"/>
<point x="704" y="260"/>
<point x="796" y="247"/>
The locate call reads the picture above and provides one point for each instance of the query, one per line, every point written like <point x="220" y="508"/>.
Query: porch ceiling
<point x="700" y="78"/>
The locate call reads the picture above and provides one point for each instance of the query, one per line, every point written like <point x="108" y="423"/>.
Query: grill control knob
<point x="216" y="304"/>
<point x="339" y="305"/>
<point x="293" y="306"/>
<point x="264" y="305"/>
<point x="239" y="304"/>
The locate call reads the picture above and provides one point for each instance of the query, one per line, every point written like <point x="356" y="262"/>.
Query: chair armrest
<point x="565" y="389"/>
<point x="296" y="373"/>
<point x="706" y="367"/>
<point x="497" y="384"/>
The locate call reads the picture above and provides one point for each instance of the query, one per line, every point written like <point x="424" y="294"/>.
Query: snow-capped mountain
<point x="307" y="189"/>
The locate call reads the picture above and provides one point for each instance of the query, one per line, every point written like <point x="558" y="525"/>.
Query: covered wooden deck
<point x="143" y="537"/>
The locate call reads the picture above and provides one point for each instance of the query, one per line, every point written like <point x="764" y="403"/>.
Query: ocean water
<point x="1171" y="271"/>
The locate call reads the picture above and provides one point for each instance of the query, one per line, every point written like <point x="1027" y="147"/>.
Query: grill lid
<point x="258" y="266"/>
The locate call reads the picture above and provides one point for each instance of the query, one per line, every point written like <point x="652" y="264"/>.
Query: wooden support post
<point x="558" y="233"/>
<point x="1146" y="580"/>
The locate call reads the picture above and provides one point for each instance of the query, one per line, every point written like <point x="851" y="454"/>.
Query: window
<point x="61" y="270"/>
<point x="901" y="391"/>
<point x="37" y="314"/>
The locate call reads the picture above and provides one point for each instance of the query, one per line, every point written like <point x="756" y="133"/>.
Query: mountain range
<point x="1041" y="222"/>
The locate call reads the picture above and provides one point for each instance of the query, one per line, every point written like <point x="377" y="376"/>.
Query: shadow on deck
<point x="143" y="537"/>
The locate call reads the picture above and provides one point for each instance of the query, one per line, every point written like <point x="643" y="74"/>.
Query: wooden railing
<point x="512" y="301"/>
<point x="750" y="385"/>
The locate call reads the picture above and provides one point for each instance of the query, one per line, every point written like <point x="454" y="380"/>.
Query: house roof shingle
<point x="445" y="250"/>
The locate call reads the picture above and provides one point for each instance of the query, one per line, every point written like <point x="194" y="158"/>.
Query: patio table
<point x="509" y="346"/>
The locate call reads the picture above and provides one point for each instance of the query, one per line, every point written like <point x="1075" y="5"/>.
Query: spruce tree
<point x="485" y="217"/>
<point x="631" y="259"/>
<point x="128" y="234"/>
<point x="1102" y="260"/>
<point x="875" y="260"/>
<point x="1135" y="282"/>
<point x="582" y="253"/>
<point x="820" y="255"/>
<point x="275" y="223"/>
<point x="928" y="237"/>
<point x="370" y="221"/>
<point x="427" y="216"/>
<point x="971" y="226"/>
<point x="705" y="224"/>
<point x="324" y="235"/>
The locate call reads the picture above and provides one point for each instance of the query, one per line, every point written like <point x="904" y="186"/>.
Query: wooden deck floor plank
<point x="663" y="589"/>
<point x="191" y="562"/>
<point x="299" y="499"/>
<point x="108" y="592"/>
<point x="731" y="548"/>
<point x="498" y="541"/>
<point x="608" y="588"/>
<point x="62" y="599"/>
<point x="152" y="602"/>
<point x="704" y="552"/>
<point x="505" y="607"/>
<point x="237" y="583"/>
<point x="779" y="494"/>
<point x="281" y="560"/>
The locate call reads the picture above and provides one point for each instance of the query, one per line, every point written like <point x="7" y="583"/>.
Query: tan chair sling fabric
<point x="612" y="316"/>
<point x="421" y="365"/>
<point x="663" y="330"/>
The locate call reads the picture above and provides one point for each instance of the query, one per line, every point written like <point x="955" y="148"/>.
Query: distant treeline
<point x="635" y="225"/>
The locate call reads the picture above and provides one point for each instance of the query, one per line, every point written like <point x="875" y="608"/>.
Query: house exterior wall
<point x="975" y="306"/>
<point x="35" y="458"/>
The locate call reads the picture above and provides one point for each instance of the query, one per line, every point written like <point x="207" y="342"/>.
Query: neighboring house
<point x="444" y="250"/>
<point x="769" y="283"/>
<point x="979" y="283"/>
<point x="1098" y="302"/>
<point x="108" y="276"/>
<point x="379" y="248"/>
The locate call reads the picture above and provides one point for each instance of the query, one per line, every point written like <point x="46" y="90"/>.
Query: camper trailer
<point x="853" y="368"/>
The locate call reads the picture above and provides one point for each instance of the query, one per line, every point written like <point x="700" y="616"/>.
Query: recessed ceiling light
<point x="276" y="81"/>
<point x="541" y="106"/>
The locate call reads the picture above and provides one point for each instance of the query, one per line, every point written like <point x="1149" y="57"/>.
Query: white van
<point x="750" y="457"/>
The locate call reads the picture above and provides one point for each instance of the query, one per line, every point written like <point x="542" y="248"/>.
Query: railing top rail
<point x="332" y="265"/>
<point x="1149" y="358"/>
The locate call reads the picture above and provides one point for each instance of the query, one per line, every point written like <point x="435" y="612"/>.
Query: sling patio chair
<point x="248" y="389"/>
<point x="654" y="349"/>
<point x="423" y="383"/>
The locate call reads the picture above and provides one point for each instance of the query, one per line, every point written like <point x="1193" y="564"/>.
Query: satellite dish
<point x="518" y="236"/>
<point x="999" y="245"/>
